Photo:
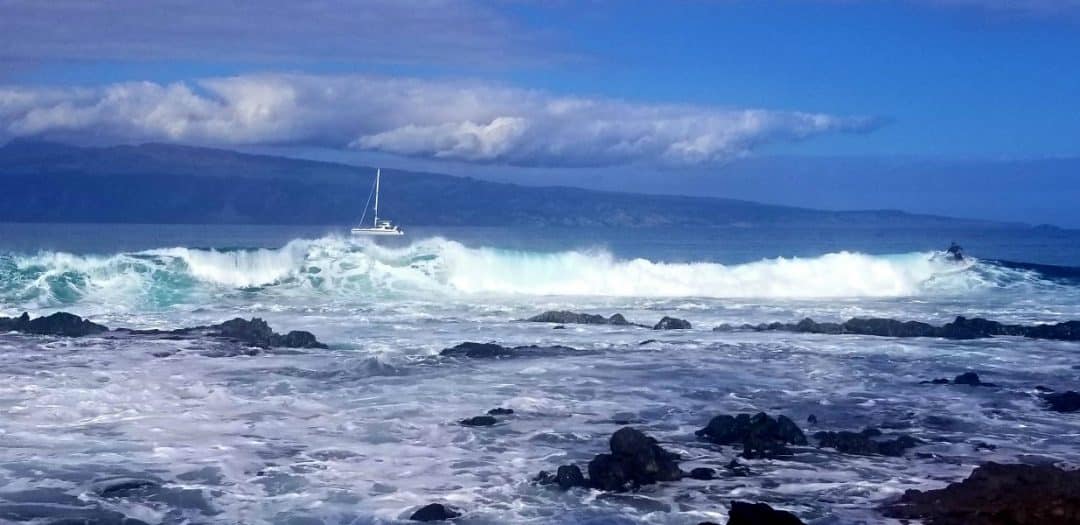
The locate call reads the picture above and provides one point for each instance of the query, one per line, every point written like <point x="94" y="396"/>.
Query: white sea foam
<point x="361" y="270"/>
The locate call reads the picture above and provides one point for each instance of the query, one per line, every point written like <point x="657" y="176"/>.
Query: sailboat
<point x="378" y="227"/>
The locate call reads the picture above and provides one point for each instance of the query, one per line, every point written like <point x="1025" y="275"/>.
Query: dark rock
<point x="743" y="513"/>
<point x="737" y="469"/>
<point x="864" y="443"/>
<point x="254" y="332"/>
<point x="703" y="473"/>
<point x="495" y="351"/>
<point x="966" y="378"/>
<point x="478" y="350"/>
<point x="565" y="317"/>
<point x="60" y="323"/>
<point x="1063" y="402"/>
<point x="997" y="494"/>
<point x="124" y="487"/>
<point x="672" y="323"/>
<point x="569" y="476"/>
<point x="297" y="339"/>
<point x="500" y="411"/>
<point x="811" y="419"/>
<point x="558" y="327"/>
<point x="960" y="328"/>
<point x="971" y="379"/>
<point x="888" y="328"/>
<point x="478" y="421"/>
<point x="635" y="460"/>
<point x="647" y="341"/>
<point x="435" y="512"/>
<point x="808" y="325"/>
<point x="761" y="435"/>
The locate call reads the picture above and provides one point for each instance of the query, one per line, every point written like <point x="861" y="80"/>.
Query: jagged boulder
<point x="997" y="494"/>
<point x="59" y="323"/>
<point x="435" y="512"/>
<point x="672" y="323"/>
<point x="299" y="339"/>
<point x="866" y="443"/>
<point x="1063" y="402"/>
<point x="888" y="328"/>
<point x="256" y="332"/>
<point x="567" y="317"/>
<point x="743" y="513"/>
<point x="478" y="421"/>
<point x="635" y="460"/>
<point x="966" y="378"/>
<point x="761" y="435"/>
<point x="495" y="351"/>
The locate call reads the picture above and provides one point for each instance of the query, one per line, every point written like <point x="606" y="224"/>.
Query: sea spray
<point x="363" y="271"/>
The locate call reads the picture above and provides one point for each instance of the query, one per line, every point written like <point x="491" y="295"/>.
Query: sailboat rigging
<point x="378" y="227"/>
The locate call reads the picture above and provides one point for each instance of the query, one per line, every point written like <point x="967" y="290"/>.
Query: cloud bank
<point x="448" y="120"/>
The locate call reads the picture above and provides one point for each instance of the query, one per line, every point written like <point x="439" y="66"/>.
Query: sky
<point x="628" y="95"/>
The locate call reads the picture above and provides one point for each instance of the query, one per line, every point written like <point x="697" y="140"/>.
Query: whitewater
<point x="367" y="430"/>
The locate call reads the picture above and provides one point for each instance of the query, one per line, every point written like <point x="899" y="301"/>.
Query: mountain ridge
<point x="168" y="183"/>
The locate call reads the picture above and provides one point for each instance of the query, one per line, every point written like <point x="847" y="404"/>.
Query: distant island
<point x="170" y="184"/>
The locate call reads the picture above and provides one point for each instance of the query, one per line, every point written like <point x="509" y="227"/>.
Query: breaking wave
<point x="364" y="271"/>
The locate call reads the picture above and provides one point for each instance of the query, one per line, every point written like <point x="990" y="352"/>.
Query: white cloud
<point x="455" y="120"/>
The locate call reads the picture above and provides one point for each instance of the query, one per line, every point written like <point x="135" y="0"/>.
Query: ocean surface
<point x="367" y="431"/>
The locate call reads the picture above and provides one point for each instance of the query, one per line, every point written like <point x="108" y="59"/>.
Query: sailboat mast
<point x="378" y="174"/>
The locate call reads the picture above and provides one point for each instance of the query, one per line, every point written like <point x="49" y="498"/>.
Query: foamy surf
<point x="364" y="271"/>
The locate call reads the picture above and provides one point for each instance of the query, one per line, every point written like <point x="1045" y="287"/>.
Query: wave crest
<point x="366" y="271"/>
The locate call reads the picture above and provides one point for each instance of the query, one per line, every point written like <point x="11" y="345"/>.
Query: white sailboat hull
<point x="375" y="231"/>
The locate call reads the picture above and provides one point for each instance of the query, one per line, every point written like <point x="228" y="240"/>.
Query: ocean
<point x="367" y="430"/>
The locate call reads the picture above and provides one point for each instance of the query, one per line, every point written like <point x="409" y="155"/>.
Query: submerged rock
<point x="569" y="476"/>
<point x="672" y="323"/>
<point x="702" y="473"/>
<point x="567" y="317"/>
<point x="434" y="512"/>
<point x="960" y="328"/>
<point x="966" y="378"/>
<point x="761" y="435"/>
<point x="500" y="411"/>
<point x="495" y="351"/>
<point x="478" y="421"/>
<point x="865" y="443"/>
<point x="997" y="494"/>
<point x="59" y="323"/>
<point x="743" y="513"/>
<point x="1063" y="402"/>
<point x="478" y="350"/>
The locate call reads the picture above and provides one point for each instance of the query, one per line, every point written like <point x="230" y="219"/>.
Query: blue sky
<point x="520" y="88"/>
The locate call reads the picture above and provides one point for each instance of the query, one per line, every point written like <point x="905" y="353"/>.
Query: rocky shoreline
<point x="960" y="328"/>
<point x="993" y="494"/>
<point x="254" y="333"/>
